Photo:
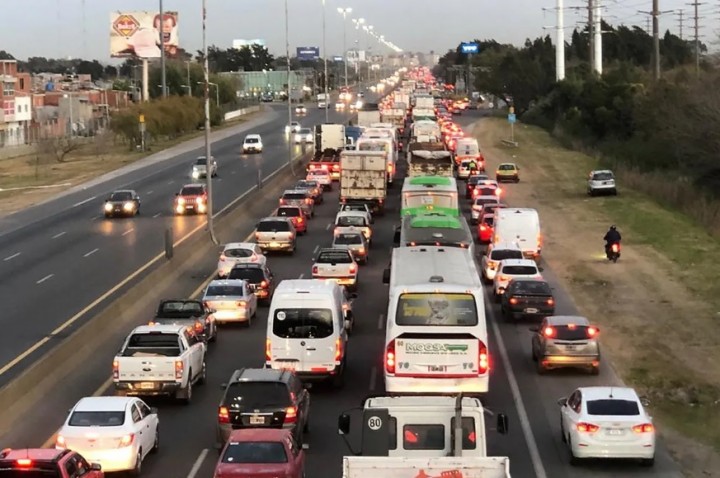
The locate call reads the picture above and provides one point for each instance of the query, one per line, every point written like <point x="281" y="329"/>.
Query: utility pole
<point x="597" y="21"/>
<point x="208" y="152"/>
<point x="656" y="38"/>
<point x="289" y="87"/>
<point x="591" y="32"/>
<point x="680" y="23"/>
<point x="327" y="96"/>
<point x="648" y="26"/>
<point x="696" y="18"/>
<point x="162" y="51"/>
<point x="560" y="42"/>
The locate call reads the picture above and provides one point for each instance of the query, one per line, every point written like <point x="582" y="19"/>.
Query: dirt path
<point x="662" y="338"/>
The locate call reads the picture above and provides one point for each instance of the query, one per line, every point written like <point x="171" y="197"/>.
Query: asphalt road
<point x="54" y="266"/>
<point x="515" y="389"/>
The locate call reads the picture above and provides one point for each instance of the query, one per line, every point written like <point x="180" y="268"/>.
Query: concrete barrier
<point x="231" y="115"/>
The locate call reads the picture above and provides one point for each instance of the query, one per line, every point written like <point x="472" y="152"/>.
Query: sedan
<point x="261" y="452"/>
<point x="116" y="432"/>
<point x="514" y="269"/>
<point x="303" y="136"/>
<point x="527" y="298"/>
<point x="252" y="144"/>
<point x="607" y="422"/>
<point x="232" y="300"/>
<point x="124" y="202"/>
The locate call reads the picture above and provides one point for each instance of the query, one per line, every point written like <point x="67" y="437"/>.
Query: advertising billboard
<point x="238" y="44"/>
<point x="308" y="53"/>
<point x="137" y="34"/>
<point x="337" y="58"/>
<point x="356" y="55"/>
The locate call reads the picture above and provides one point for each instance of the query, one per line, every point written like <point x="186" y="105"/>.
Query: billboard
<point x="469" y="48"/>
<point x="356" y="55"/>
<point x="308" y="53"/>
<point x="238" y="44"/>
<point x="337" y="58"/>
<point x="137" y="34"/>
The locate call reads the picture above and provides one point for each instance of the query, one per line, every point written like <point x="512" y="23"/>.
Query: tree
<point x="58" y="148"/>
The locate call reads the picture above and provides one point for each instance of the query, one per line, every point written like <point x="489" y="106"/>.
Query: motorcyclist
<point x="612" y="237"/>
<point x="473" y="167"/>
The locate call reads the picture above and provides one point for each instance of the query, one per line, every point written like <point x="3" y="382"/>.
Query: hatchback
<point x="259" y="279"/>
<point x="239" y="253"/>
<point x="509" y="269"/>
<point x="508" y="172"/>
<point x="252" y="144"/>
<point x="566" y="341"/>
<point x="258" y="452"/>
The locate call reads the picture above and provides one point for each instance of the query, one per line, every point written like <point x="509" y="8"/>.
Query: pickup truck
<point x="190" y="313"/>
<point x="160" y="360"/>
<point x="337" y="265"/>
<point x="438" y="467"/>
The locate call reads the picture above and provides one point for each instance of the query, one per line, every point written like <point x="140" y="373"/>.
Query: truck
<point x="396" y="117"/>
<point x="363" y="179"/>
<point x="366" y="118"/>
<point x="438" y="467"/>
<point x="424" y="101"/>
<point x="329" y="142"/>
<point x="188" y="312"/>
<point x="160" y="360"/>
<point x="423" y="161"/>
<point x="425" y="128"/>
<point x="419" y="114"/>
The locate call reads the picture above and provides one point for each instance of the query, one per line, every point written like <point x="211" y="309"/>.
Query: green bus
<point x="423" y="194"/>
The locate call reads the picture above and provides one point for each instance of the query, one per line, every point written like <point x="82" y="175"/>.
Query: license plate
<point x="531" y="311"/>
<point x="257" y="420"/>
<point x="189" y="207"/>
<point x="570" y="348"/>
<point x="147" y="385"/>
<point x="437" y="368"/>
<point x="288" y="366"/>
<point x="615" y="431"/>
<point x="274" y="244"/>
<point x="607" y="183"/>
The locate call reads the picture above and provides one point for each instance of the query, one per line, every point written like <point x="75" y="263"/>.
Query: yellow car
<point x="507" y="172"/>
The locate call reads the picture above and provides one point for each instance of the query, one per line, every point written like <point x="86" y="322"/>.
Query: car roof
<point x="240" y="245"/>
<point x="103" y="404"/>
<point x="160" y="328"/>
<point x="259" y="434"/>
<point x="38" y="454"/>
<point x="260" y="375"/>
<point x="601" y="171"/>
<point x="605" y="392"/>
<point x="508" y="164"/>
<point x="295" y="191"/>
<point x="123" y="191"/>
<point x="274" y="218"/>
<point x="331" y="249"/>
<point x="222" y="282"/>
<point x="567" y="320"/>
<point x="248" y="265"/>
<point x="506" y="245"/>
<point x="518" y="262"/>
<point x="352" y="212"/>
<point x="194" y="185"/>
<point x="252" y="136"/>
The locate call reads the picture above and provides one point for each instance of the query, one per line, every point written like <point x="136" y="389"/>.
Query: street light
<point x="162" y="49"/>
<point x="217" y="91"/>
<point x="208" y="152"/>
<point x="344" y="12"/>
<point x="327" y="96"/>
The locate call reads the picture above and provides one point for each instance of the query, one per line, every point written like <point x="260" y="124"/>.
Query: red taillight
<point x="483" y="358"/>
<point x="257" y="236"/>
<point x="268" y="350"/>
<point x="199" y="326"/>
<point x="222" y="256"/>
<point x="223" y="415"/>
<point x="615" y="247"/>
<point x="644" y="428"/>
<point x="353" y="268"/>
<point x="513" y="300"/>
<point x="390" y="357"/>
<point x="308" y="201"/>
<point x="127" y="440"/>
<point x="299" y="220"/>
<point x="587" y="427"/>
<point x="315" y="269"/>
<point x="292" y="235"/>
<point x="254" y="258"/>
<point x="336" y="167"/>
<point x="550" y="302"/>
<point x="338" y="350"/>
<point x="592" y="331"/>
<point x="179" y="368"/>
<point x="390" y="168"/>
<point x="282" y="201"/>
<point x="549" y="332"/>
<point x="483" y="227"/>
<point x="263" y="284"/>
<point x="324" y="166"/>
<point x="116" y="369"/>
<point x="498" y="191"/>
<point x="24" y="462"/>
<point x="290" y="415"/>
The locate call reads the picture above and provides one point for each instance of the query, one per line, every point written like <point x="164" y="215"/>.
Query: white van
<point x="307" y="329"/>
<point x="385" y="144"/>
<point x="521" y="225"/>
<point x="436" y="336"/>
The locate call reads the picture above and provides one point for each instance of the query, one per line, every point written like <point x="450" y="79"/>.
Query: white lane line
<point x="517" y="398"/>
<point x="44" y="278"/>
<point x="84" y="202"/>
<point x="59" y="234"/>
<point x="198" y="463"/>
<point x="171" y="182"/>
<point x="316" y="249"/>
<point x="233" y="172"/>
<point x="149" y="192"/>
<point x="327" y="228"/>
<point x="157" y="215"/>
<point x="381" y="321"/>
<point x="373" y="379"/>
<point x="301" y="275"/>
<point x="91" y="252"/>
<point x="9" y="258"/>
<point x="128" y="231"/>
<point x="95" y="218"/>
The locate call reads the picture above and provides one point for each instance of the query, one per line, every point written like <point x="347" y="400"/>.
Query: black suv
<point x="263" y="398"/>
<point x="258" y="277"/>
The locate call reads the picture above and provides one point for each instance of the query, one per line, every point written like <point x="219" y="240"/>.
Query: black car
<point x="263" y="398"/>
<point x="527" y="298"/>
<point x="125" y="202"/>
<point x="473" y="181"/>
<point x="258" y="277"/>
<point x="313" y="187"/>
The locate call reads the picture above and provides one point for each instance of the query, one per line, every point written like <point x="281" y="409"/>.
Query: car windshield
<point x="252" y="140"/>
<point x="192" y="191"/>
<point x="531" y="287"/>
<point x="273" y="226"/>
<point x="303" y="323"/>
<point x="96" y="419"/>
<point x="348" y="221"/>
<point x="247" y="394"/>
<point x="200" y="162"/>
<point x="476" y="179"/>
<point x="613" y="407"/>
<point x="348" y="239"/>
<point x="225" y="290"/>
<point x="519" y="270"/>
<point x="334" y="257"/>
<point x="255" y="452"/>
<point x="181" y="307"/>
<point x="305" y="130"/>
<point x="253" y="275"/>
<point x="289" y="212"/>
<point x="436" y="309"/>
<point x="603" y="176"/>
<point x="238" y="253"/>
<point x="507" y="167"/>
<point x="502" y="254"/>
<point x="121" y="196"/>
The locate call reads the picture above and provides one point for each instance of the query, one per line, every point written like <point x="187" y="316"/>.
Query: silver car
<point x="355" y="242"/>
<point x="199" y="168"/>
<point x="601" y="182"/>
<point x="566" y="341"/>
<point x="232" y="300"/>
<point x="239" y="253"/>
<point x="276" y="234"/>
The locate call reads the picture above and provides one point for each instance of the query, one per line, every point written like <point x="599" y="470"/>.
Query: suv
<point x="252" y="144"/>
<point x="566" y="341"/>
<point x="41" y="462"/>
<point x="300" y="198"/>
<point x="509" y="269"/>
<point x="263" y="398"/>
<point x="600" y="182"/>
<point x="258" y="277"/>
<point x="192" y="198"/>
<point x="296" y="215"/>
<point x="276" y="234"/>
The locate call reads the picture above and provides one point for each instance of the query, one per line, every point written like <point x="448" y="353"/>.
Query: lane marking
<point x="95" y="218"/>
<point x="373" y="378"/>
<point x="59" y="234"/>
<point x="157" y="215"/>
<point x="9" y="258"/>
<point x="317" y="248"/>
<point x="149" y="192"/>
<point x="171" y="182"/>
<point x="327" y="228"/>
<point x="381" y="321"/>
<point x="198" y="463"/>
<point x="44" y="278"/>
<point x="91" y="252"/>
<point x="128" y="231"/>
<point x="84" y="201"/>
<point x="301" y="275"/>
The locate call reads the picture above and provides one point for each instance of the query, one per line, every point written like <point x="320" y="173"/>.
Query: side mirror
<point x="502" y="424"/>
<point x="153" y="410"/>
<point x="645" y="402"/>
<point x="354" y="295"/>
<point x="541" y="269"/>
<point x="386" y="276"/>
<point x="534" y="329"/>
<point x="95" y="467"/>
<point x="344" y="424"/>
<point x="562" y="401"/>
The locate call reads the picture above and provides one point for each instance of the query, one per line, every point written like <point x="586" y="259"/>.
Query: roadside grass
<point x="670" y="248"/>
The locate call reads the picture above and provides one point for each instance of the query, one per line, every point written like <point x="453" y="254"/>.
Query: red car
<point x="261" y="452"/>
<point x="296" y="215"/>
<point x="192" y="199"/>
<point x="485" y="228"/>
<point x="39" y="462"/>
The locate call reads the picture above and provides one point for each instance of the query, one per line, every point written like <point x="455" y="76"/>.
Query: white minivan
<point x="307" y="330"/>
<point x="520" y="225"/>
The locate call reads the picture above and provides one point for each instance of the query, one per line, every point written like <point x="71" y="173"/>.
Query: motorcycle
<point x="613" y="251"/>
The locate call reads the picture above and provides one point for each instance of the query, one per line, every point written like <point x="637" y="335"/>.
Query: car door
<point x="571" y="412"/>
<point x="138" y="426"/>
<point x="195" y="354"/>
<point x="149" y="425"/>
<point x="250" y="297"/>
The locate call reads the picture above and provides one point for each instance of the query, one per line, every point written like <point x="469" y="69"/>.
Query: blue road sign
<point x="469" y="48"/>
<point x="511" y="118"/>
<point x="308" y="53"/>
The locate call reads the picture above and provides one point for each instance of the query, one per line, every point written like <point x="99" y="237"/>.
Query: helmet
<point x="613" y="227"/>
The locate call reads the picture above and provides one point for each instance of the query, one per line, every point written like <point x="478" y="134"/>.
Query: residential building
<point x="16" y="114"/>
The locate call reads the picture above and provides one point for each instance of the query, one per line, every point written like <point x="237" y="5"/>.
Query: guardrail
<point x="231" y="115"/>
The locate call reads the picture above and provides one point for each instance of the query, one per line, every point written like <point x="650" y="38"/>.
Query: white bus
<point x="436" y="334"/>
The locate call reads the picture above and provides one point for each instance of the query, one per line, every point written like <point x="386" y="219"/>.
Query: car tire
<point x="338" y="380"/>
<point x="647" y="462"/>
<point x="517" y="180"/>
<point x="137" y="469"/>
<point x="595" y="370"/>
<point x="306" y="427"/>
<point x="614" y="193"/>
<point x="203" y="375"/>
<point x="156" y="445"/>
<point x="591" y="192"/>
<point x="185" y="395"/>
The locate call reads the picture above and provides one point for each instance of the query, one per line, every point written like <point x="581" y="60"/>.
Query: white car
<point x="239" y="253"/>
<point x="477" y="207"/>
<point x="340" y="106"/>
<point x="322" y="176"/>
<point x="337" y="265"/>
<point x="252" y="144"/>
<point x="509" y="269"/>
<point x="293" y="127"/>
<point x="199" y="168"/>
<point x="601" y="182"/>
<point x="463" y="171"/>
<point x="347" y="221"/>
<point x="304" y="135"/>
<point x="232" y="300"/>
<point x="607" y="422"/>
<point x="116" y="432"/>
<point x="495" y="254"/>
<point x="358" y="207"/>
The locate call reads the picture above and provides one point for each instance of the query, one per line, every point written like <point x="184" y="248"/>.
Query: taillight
<point x="299" y="220"/>
<point x="292" y="235"/>
<point x="390" y="168"/>
<point x="549" y="332"/>
<point x="498" y="191"/>
<point x="263" y="284"/>
<point x="290" y="415"/>
<point x="483" y="227"/>
<point x="223" y="415"/>
<point x="254" y="258"/>
<point x="116" y="369"/>
<point x="24" y="462"/>
<point x="127" y="440"/>
<point x="513" y="300"/>
<point x="483" y="358"/>
<point x="592" y="331"/>
<point x="268" y="350"/>
<point x="361" y="250"/>
<point x="336" y="167"/>
<point x="282" y="201"/>
<point x="587" y="427"/>
<point x="615" y="247"/>
<point x="315" y="269"/>
<point x="550" y="302"/>
<point x="308" y="201"/>
<point x="199" y="326"/>
<point x="338" y="350"/>
<point x="257" y="236"/>
<point x="353" y="268"/>
<point x="179" y="368"/>
<point x="324" y="166"/>
<point x="644" y="428"/>
<point x="390" y="357"/>
<point x="60" y="441"/>
<point x="222" y="257"/>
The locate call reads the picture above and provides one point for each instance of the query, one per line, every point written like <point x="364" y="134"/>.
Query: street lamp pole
<point x="208" y="152"/>
<point x="327" y="96"/>
<point x="162" y="50"/>
<point x="289" y="86"/>
<point x="344" y="12"/>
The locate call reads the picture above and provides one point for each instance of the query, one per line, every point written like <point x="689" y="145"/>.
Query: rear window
<point x="246" y="395"/>
<point x="486" y="191"/>
<point x="318" y="172"/>
<point x="424" y="437"/>
<point x="96" y="419"/>
<point x="273" y="226"/>
<point x="603" y="176"/>
<point x="347" y="221"/>
<point x="576" y="332"/>
<point x="226" y="290"/>
<point x="611" y="406"/>
<point x="144" y="345"/>
<point x="436" y="309"/>
<point x="192" y="191"/>
<point x="294" y="196"/>
<point x="348" y="239"/>
<point x="289" y="212"/>
<point x="335" y="257"/>
<point x="506" y="167"/>
<point x="181" y="308"/>
<point x="303" y="323"/>
<point x="305" y="130"/>
<point x="255" y="452"/>
<point x="519" y="270"/>
<point x="531" y="287"/>
<point x="305" y="185"/>
<point x="489" y="220"/>
<point x="238" y="253"/>
<point x="502" y="254"/>
<point x="251" y="274"/>
<point x="252" y="140"/>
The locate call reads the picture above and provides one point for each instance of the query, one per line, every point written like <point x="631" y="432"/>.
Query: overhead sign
<point x="137" y="34"/>
<point x="469" y="48"/>
<point x="337" y="58"/>
<point x="308" y="53"/>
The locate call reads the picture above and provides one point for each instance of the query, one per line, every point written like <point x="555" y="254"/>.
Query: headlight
<point x="181" y="201"/>
<point x="298" y="137"/>
<point x="128" y="206"/>
<point x="108" y="206"/>
<point x="195" y="174"/>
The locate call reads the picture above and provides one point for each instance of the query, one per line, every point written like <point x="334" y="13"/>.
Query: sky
<point x="80" y="28"/>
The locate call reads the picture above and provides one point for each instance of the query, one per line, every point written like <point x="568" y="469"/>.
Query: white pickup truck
<point x="337" y="265"/>
<point x="160" y="360"/>
<point x="437" y="467"/>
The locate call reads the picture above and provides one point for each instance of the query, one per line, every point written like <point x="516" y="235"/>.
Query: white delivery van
<point x="436" y="336"/>
<point x="384" y="144"/>
<point x="307" y="329"/>
<point x="520" y="225"/>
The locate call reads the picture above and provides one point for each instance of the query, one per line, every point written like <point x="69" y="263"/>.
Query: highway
<point x="66" y="254"/>
<point x="533" y="443"/>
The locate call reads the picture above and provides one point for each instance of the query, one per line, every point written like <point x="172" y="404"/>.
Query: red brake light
<point x="353" y="268"/>
<point x="308" y="201"/>
<point x="592" y="331"/>
<point x="483" y="358"/>
<point x="549" y="332"/>
<point x="263" y="284"/>
<point x="336" y="167"/>
<point x="268" y="350"/>
<point x="615" y="247"/>
<point x="315" y="269"/>
<point x="390" y="357"/>
<point x="223" y="415"/>
<point x="587" y="427"/>
<point x="324" y="166"/>
<point x="550" y="302"/>
<point x="24" y="462"/>
<point x="513" y="300"/>
<point x="290" y="415"/>
<point x="116" y="369"/>
<point x="282" y="201"/>
<point x="179" y="368"/>
<point x="199" y="326"/>
<point x="483" y="227"/>
<point x="338" y="350"/>
<point x="644" y="428"/>
<point x="299" y="220"/>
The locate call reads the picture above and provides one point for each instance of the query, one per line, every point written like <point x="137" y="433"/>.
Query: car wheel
<point x="306" y="427"/>
<point x="591" y="192"/>
<point x="647" y="462"/>
<point x="156" y="445"/>
<point x="186" y="395"/>
<point x="338" y="380"/>
<point x="203" y="375"/>
<point x="137" y="470"/>
<point x="517" y="180"/>
<point x="614" y="193"/>
<point x="248" y="322"/>
<point x="595" y="370"/>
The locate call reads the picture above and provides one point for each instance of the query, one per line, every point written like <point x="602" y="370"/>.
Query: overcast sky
<point x="80" y="28"/>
